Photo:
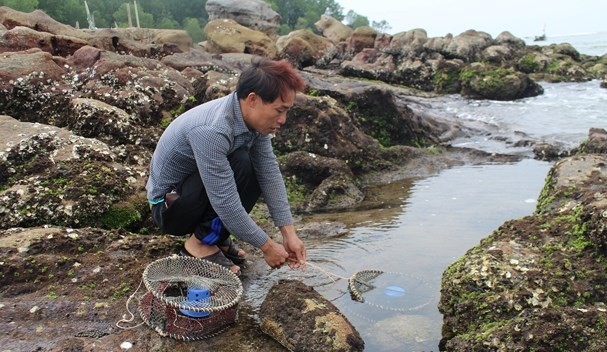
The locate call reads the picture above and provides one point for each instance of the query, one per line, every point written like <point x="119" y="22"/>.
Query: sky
<point x="522" y="18"/>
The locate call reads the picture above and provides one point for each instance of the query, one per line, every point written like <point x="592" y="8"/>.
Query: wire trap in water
<point x="389" y="290"/>
<point x="385" y="290"/>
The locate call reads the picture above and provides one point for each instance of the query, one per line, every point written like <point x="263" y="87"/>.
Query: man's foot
<point x="194" y="248"/>
<point x="232" y="251"/>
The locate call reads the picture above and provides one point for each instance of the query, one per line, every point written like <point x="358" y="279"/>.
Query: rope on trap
<point x="188" y="298"/>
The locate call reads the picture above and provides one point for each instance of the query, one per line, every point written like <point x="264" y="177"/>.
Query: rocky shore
<point x="538" y="283"/>
<point x="81" y="110"/>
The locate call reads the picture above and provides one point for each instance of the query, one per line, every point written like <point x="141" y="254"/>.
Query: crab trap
<point x="189" y="298"/>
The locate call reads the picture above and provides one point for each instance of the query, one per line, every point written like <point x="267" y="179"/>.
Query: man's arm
<point x="274" y="192"/>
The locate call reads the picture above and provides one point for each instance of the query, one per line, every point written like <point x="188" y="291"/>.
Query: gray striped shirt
<point x="201" y="139"/>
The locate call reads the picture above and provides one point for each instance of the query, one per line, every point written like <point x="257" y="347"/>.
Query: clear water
<point x="421" y="227"/>
<point x="418" y="227"/>
<point x="425" y="225"/>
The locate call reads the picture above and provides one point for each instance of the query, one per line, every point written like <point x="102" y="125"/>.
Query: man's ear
<point x="251" y="99"/>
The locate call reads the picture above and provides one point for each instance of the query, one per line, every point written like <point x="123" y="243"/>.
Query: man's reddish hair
<point x="269" y="79"/>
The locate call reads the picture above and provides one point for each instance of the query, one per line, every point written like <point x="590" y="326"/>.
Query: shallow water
<point x="421" y="227"/>
<point x="416" y="228"/>
<point x="427" y="225"/>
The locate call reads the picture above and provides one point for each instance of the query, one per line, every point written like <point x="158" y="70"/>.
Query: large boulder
<point x="399" y="69"/>
<point x="439" y="44"/>
<point x="507" y="38"/>
<point x="468" y="45"/>
<point x="409" y="43"/>
<point x="141" y="42"/>
<point x="382" y="41"/>
<point x="370" y="63"/>
<point x="446" y="78"/>
<point x="362" y="37"/>
<point x="498" y="54"/>
<point x="33" y="62"/>
<point x="39" y="21"/>
<point x="140" y="86"/>
<point x="309" y="322"/>
<point x="52" y="176"/>
<point x="598" y="69"/>
<point x="560" y="63"/>
<point x="96" y="119"/>
<point x="596" y="142"/>
<point x="333" y="29"/>
<point x="172" y="40"/>
<point x="254" y="14"/>
<point x="562" y="49"/>
<point x="24" y="81"/>
<point x="37" y="89"/>
<point x="417" y="73"/>
<point x="24" y="38"/>
<point x="352" y="123"/>
<point x="202" y="61"/>
<point x="65" y="40"/>
<point x="480" y="81"/>
<point x="304" y="48"/>
<point x="227" y="36"/>
<point x="331" y="182"/>
<point x="320" y="125"/>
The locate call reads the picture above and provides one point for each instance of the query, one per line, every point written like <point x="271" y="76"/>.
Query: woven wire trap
<point x="168" y="308"/>
<point x="364" y="282"/>
<point x="358" y="283"/>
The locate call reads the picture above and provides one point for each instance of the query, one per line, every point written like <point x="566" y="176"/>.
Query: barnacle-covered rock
<point x="51" y="176"/>
<point x="536" y="282"/>
<point x="309" y="322"/>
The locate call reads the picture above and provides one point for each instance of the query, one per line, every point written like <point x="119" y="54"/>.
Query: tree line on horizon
<point x="189" y="15"/>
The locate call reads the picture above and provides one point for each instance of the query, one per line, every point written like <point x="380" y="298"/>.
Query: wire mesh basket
<point x="189" y="298"/>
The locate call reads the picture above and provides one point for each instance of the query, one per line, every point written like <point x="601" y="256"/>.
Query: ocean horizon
<point x="593" y="43"/>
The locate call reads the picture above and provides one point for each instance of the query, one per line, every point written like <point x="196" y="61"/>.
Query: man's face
<point x="267" y="118"/>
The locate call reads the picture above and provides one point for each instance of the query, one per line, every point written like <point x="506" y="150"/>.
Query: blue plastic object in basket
<point x="197" y="294"/>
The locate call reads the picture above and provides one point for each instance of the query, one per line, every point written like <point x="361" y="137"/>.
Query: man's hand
<point x="274" y="254"/>
<point x="292" y="250"/>
<point x="294" y="247"/>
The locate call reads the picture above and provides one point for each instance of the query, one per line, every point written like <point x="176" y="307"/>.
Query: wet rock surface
<point x="309" y="322"/>
<point x="66" y="289"/>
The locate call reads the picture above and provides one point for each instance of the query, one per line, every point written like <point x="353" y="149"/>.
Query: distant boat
<point x="541" y="38"/>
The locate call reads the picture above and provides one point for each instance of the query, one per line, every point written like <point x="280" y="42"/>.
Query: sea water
<point x="422" y="227"/>
<point x="594" y="44"/>
<point x="561" y="116"/>
<point x="425" y="224"/>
